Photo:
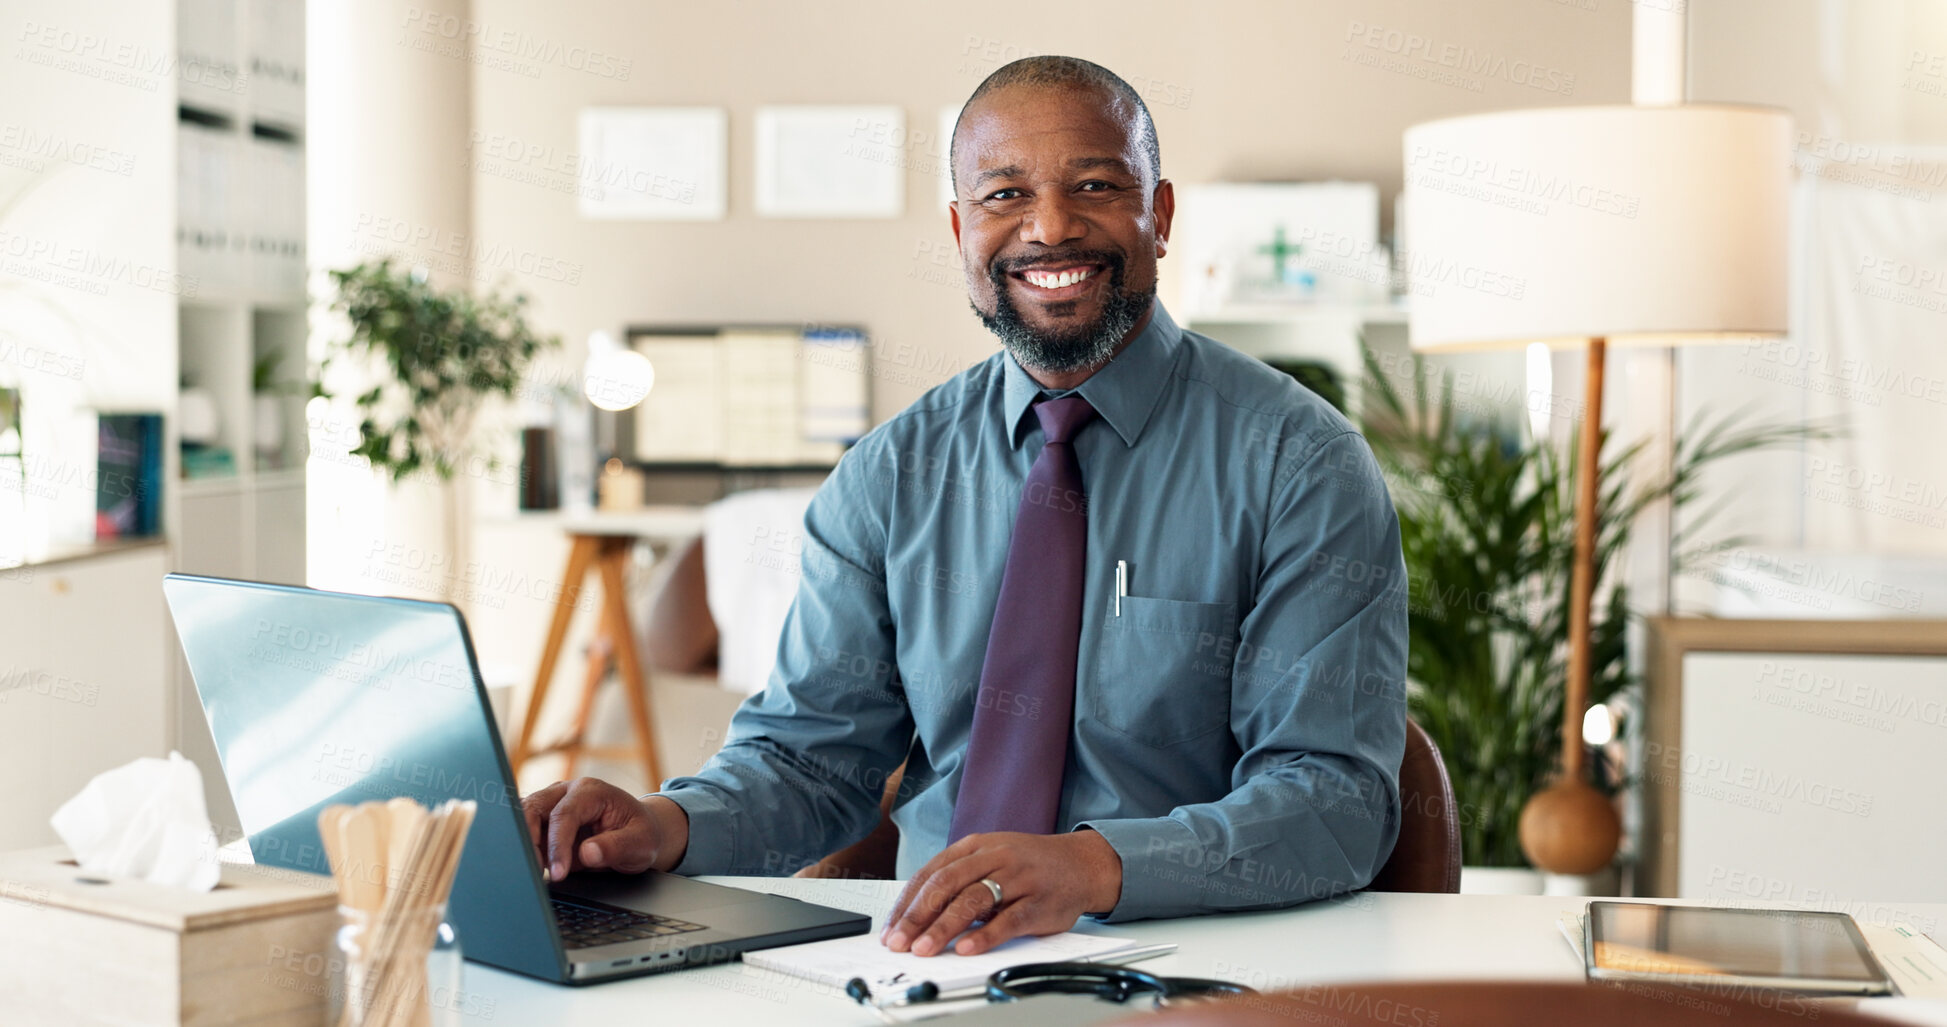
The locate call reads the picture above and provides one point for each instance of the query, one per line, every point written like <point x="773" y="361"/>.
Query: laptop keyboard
<point x="587" y="926"/>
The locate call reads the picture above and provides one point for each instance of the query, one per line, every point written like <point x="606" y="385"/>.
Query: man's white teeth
<point x="1056" y="281"/>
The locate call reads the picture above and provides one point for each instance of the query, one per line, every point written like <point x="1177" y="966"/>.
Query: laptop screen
<point x="316" y="698"/>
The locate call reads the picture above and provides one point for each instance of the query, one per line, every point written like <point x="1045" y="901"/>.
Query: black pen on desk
<point x="1121" y="584"/>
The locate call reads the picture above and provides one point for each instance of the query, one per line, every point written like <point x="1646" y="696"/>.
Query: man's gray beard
<point x="1090" y="346"/>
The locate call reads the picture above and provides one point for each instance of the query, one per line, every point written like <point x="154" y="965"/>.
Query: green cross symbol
<point x="1280" y="251"/>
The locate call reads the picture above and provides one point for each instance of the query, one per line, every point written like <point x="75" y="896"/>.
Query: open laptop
<point x="316" y="698"/>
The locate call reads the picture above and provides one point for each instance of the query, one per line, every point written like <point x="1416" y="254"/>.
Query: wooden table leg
<point x="581" y="552"/>
<point x="601" y="655"/>
<point x="614" y="559"/>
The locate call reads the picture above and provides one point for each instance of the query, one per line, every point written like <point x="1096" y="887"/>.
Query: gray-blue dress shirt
<point x="1238" y="727"/>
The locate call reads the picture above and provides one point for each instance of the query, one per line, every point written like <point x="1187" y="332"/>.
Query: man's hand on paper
<point x="623" y="832"/>
<point x="1046" y="882"/>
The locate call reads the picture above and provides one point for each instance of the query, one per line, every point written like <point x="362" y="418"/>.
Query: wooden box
<point x="75" y="949"/>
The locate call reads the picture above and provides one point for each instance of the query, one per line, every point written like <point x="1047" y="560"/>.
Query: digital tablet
<point x="1813" y="953"/>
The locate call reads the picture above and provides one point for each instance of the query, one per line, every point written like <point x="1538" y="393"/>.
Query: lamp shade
<point x="1634" y="224"/>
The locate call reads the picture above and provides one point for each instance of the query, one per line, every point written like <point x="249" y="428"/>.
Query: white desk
<point x="1368" y="937"/>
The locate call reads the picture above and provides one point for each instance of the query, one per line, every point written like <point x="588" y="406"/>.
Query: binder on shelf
<point x="206" y="55"/>
<point x="275" y="47"/>
<point x="274" y="207"/>
<point x="213" y="208"/>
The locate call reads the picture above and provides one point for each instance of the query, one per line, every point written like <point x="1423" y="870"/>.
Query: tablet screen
<point x="1644" y="938"/>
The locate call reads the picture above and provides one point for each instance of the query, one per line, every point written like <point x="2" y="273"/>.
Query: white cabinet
<point x="84" y="679"/>
<point x="1795" y="761"/>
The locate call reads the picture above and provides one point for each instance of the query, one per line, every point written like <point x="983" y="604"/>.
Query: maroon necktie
<point x="1026" y="703"/>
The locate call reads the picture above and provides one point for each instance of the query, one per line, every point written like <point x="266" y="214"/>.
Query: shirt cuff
<point x="712" y="844"/>
<point x="1152" y="884"/>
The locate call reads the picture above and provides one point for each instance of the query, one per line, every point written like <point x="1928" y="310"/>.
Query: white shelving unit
<point x="240" y="235"/>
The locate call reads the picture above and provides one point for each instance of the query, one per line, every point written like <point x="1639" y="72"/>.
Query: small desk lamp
<point x="1583" y="226"/>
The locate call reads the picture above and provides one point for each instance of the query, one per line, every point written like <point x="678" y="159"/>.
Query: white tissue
<point x="144" y="819"/>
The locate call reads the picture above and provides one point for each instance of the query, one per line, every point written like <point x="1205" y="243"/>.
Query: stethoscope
<point x="1106" y="982"/>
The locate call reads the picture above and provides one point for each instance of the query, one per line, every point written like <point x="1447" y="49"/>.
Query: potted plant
<point x="438" y="357"/>
<point x="1486" y="528"/>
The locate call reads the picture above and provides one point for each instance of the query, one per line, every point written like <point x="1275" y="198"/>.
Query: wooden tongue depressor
<point x="359" y="838"/>
<point x="404" y="819"/>
<point x="329" y="820"/>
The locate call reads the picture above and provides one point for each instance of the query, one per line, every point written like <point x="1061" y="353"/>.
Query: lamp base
<point x="1570" y="828"/>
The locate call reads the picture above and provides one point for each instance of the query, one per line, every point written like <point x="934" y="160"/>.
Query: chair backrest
<point x="1427" y="856"/>
<point x="1425" y="859"/>
<point x="1497" y="1003"/>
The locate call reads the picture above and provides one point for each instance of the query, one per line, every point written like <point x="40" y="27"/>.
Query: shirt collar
<point x="1124" y="392"/>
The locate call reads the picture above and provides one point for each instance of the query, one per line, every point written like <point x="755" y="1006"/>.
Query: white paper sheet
<point x="839" y="960"/>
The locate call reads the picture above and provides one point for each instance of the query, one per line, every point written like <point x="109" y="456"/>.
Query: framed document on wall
<point x="831" y="162"/>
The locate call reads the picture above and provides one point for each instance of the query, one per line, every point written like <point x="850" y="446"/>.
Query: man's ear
<point x="953" y="215"/>
<point x="1163" y="201"/>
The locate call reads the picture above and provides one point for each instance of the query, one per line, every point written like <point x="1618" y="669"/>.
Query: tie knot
<point x="1062" y="418"/>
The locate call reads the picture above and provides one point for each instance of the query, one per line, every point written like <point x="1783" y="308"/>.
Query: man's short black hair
<point x="1063" y="71"/>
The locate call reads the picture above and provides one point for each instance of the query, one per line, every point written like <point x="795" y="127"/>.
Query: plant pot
<point x="267" y="425"/>
<point x="1603" y="882"/>
<point x="1500" y="881"/>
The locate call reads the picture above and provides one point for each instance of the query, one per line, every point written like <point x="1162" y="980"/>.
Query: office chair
<point x="1425" y="859"/>
<point x="1494" y="1004"/>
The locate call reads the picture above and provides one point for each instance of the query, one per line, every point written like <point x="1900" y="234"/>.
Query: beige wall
<point x="1239" y="90"/>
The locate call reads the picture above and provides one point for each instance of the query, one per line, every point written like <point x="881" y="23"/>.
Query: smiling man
<point x="1128" y="605"/>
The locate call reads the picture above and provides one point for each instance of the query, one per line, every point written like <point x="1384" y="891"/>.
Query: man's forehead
<point x="996" y="128"/>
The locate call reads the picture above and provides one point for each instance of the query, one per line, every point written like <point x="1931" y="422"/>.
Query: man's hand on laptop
<point x="586" y="824"/>
<point x="1046" y="882"/>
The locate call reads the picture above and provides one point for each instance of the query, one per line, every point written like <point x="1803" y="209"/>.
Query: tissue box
<point x="81" y="950"/>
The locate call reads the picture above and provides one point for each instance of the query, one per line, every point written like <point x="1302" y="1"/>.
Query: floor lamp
<point x="1593" y="226"/>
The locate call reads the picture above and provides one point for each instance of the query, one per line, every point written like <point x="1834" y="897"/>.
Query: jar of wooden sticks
<point x="397" y="960"/>
<point x="418" y="987"/>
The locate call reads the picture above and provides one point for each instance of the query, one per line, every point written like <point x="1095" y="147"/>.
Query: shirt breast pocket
<point x="1162" y="670"/>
